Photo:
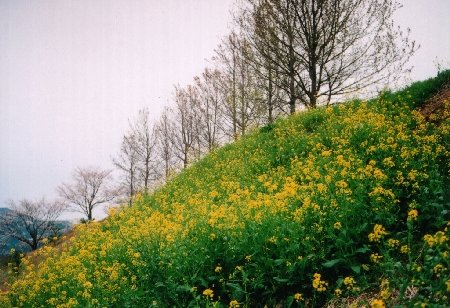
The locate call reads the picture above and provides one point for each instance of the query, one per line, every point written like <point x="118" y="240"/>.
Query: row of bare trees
<point x="317" y="50"/>
<point x="280" y="55"/>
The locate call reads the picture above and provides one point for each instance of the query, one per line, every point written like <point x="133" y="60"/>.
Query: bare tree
<point x="269" y="26"/>
<point x="127" y="161"/>
<point x="242" y="103"/>
<point x="164" y="150"/>
<point x="327" y="48"/>
<point x="145" y="147"/>
<point x="90" y="188"/>
<point x="30" y="222"/>
<point x="226" y="54"/>
<point x="211" y="102"/>
<point x="185" y="124"/>
<point x="268" y="76"/>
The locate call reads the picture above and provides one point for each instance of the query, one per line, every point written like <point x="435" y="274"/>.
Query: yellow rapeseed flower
<point x="341" y="184"/>
<point x="208" y="293"/>
<point x="321" y="188"/>
<point x="349" y="282"/>
<point x="318" y="284"/>
<point x="404" y="249"/>
<point x="412" y="214"/>
<point x="379" y="175"/>
<point x="378" y="233"/>
<point x="337" y="225"/>
<point x="375" y="258"/>
<point x="393" y="243"/>
<point x="438" y="268"/>
<point x="298" y="297"/>
<point x="388" y="162"/>
<point x="377" y="303"/>
<point x="326" y="153"/>
<point x="429" y="239"/>
<point x="338" y="292"/>
<point x="385" y="294"/>
<point x="440" y="238"/>
<point x="272" y="240"/>
<point x="213" y="194"/>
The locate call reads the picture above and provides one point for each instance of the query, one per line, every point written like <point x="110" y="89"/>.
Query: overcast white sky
<point x="72" y="72"/>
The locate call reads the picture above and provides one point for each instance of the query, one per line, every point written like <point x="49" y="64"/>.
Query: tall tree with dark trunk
<point x="269" y="26"/>
<point x="327" y="48"/>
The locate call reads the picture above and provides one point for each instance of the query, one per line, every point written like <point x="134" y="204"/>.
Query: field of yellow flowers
<point x="324" y="205"/>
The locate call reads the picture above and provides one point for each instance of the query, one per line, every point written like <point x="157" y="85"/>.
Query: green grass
<point x="419" y="92"/>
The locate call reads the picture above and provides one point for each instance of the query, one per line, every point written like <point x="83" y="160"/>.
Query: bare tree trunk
<point x="291" y="92"/>
<point x="35" y="244"/>
<point x="242" y="99"/>
<point x="185" y="158"/>
<point x="292" y="96"/>
<point x="270" y="97"/>
<point x="233" y="99"/>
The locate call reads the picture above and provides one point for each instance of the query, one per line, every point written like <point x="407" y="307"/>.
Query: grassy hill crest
<point x="323" y="206"/>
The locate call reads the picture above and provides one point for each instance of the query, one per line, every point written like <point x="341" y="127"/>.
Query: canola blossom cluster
<point x="313" y="207"/>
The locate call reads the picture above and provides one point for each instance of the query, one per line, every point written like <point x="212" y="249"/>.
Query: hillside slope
<point x="324" y="205"/>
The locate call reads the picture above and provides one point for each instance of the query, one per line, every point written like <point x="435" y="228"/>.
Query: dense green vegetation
<point x="324" y="205"/>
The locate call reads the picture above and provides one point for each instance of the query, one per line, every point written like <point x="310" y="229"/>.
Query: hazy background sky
<point x="72" y="72"/>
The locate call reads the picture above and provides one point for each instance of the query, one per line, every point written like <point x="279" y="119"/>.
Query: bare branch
<point x="90" y="187"/>
<point x="29" y="222"/>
